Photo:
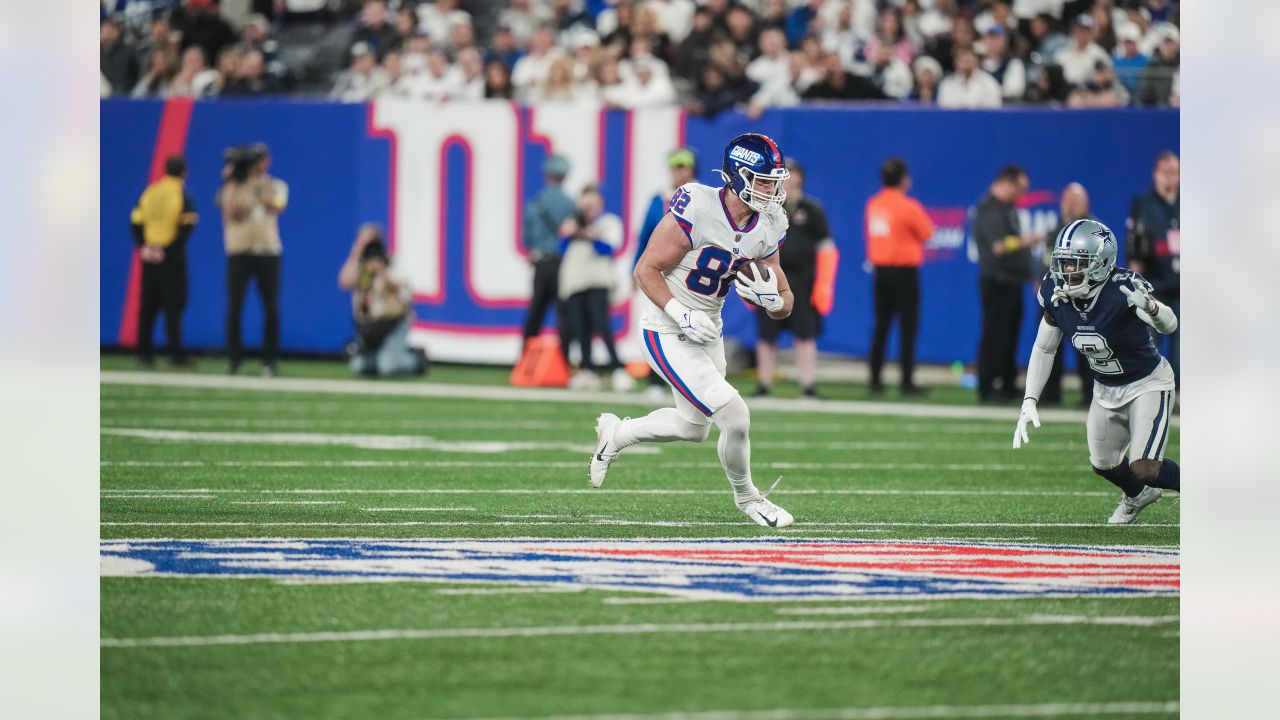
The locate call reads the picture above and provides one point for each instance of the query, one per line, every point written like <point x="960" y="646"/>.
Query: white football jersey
<point x="717" y="248"/>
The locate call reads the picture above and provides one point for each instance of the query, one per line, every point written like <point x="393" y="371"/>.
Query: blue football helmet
<point x="1083" y="257"/>
<point x="749" y="159"/>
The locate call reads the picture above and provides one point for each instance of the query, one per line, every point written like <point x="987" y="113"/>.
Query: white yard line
<point x="508" y="590"/>
<point x="632" y="629"/>
<point x="366" y="442"/>
<point x="604" y="399"/>
<point x="852" y="610"/>
<point x="603" y="491"/>
<point x="288" y="502"/>
<point x="925" y="712"/>
<point x="557" y="464"/>
<point x="610" y="523"/>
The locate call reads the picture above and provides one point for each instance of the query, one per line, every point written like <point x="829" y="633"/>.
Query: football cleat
<point x="766" y="514"/>
<point x="605" y="452"/>
<point x="1129" y="507"/>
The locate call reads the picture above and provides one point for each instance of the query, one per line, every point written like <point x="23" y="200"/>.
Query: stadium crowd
<point x="709" y="55"/>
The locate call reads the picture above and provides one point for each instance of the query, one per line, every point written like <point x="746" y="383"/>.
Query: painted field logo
<point x="767" y="569"/>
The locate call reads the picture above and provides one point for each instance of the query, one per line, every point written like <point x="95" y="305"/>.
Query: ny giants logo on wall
<point x="1037" y="214"/>
<point x="761" y="569"/>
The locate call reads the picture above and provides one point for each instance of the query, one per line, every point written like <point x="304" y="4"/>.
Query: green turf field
<point x="209" y="463"/>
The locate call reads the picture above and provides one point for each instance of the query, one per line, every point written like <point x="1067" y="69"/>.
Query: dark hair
<point x="892" y="172"/>
<point x="1012" y="173"/>
<point x="175" y="166"/>
<point x="1165" y="155"/>
<point x="241" y="160"/>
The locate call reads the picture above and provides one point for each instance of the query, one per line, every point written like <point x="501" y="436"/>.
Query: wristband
<point x="1011" y="243"/>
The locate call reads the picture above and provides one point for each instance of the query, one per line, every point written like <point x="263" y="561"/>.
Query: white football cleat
<point x="605" y="452"/>
<point x="1129" y="507"/>
<point x="767" y="514"/>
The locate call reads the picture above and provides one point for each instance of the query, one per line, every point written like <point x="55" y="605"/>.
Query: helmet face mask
<point x="1083" y="257"/>
<point x="754" y="170"/>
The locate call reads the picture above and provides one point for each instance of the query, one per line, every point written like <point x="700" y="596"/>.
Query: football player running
<point x="1104" y="311"/>
<point x="694" y="255"/>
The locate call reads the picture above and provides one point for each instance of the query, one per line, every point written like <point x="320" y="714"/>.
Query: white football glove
<point x="759" y="291"/>
<point x="1140" y="299"/>
<point x="695" y="324"/>
<point x="1029" y="415"/>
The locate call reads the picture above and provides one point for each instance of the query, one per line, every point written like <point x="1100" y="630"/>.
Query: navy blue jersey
<point x="1106" y="329"/>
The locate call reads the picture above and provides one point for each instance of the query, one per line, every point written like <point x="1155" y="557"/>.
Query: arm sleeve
<point x="1041" y="363"/>
<point x="186" y="221"/>
<point x="1164" y="321"/>
<point x="923" y="225"/>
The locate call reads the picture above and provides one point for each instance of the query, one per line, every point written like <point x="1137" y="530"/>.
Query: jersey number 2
<point x="1094" y="347"/>
<point x="713" y="272"/>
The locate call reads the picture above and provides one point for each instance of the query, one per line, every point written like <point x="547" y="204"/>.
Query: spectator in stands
<point x="542" y="219"/>
<point x="614" y="26"/>
<point x="692" y="54"/>
<point x="470" y="71"/>
<point x="969" y="86"/>
<point x="840" y="84"/>
<point x="1101" y="90"/>
<point x="608" y="82"/>
<point x="1049" y="86"/>
<point x="228" y="69"/>
<point x="382" y="307"/>
<point x="374" y="29"/>
<point x="559" y="84"/>
<point x="1104" y="29"/>
<point x="897" y="229"/>
<point x="257" y="36"/>
<point x="889" y="73"/>
<point x="1008" y="71"/>
<point x="743" y="31"/>
<point x="772" y="72"/>
<point x="800" y="20"/>
<point x="252" y="78"/>
<point x="251" y="201"/>
<point x="1004" y="267"/>
<point x="1078" y="58"/>
<point x="674" y="17"/>
<point x="531" y="70"/>
<point x="1074" y="205"/>
<point x="889" y="33"/>
<point x="439" y="18"/>
<point x="1156" y="84"/>
<point x="943" y="48"/>
<point x="119" y="64"/>
<point x="1046" y="36"/>
<point x="1128" y="58"/>
<point x="161" y="67"/>
<point x="588" y="277"/>
<point x="162" y="223"/>
<point x="809" y="260"/>
<point x="361" y="81"/>
<point x="194" y="79"/>
<point x="522" y="18"/>
<point x="502" y="47"/>
<point x="200" y="24"/>
<point x="1153" y="242"/>
<point x="997" y="15"/>
<point x="392" y="81"/>
<point x="405" y="22"/>
<point x="461" y="37"/>
<point x="437" y="81"/>
<point x="841" y="36"/>
<point x="718" y="92"/>
<point x="928" y="73"/>
<point x="585" y="47"/>
<point x="566" y="18"/>
<point x="649" y="84"/>
<point x="497" y="81"/>
<point x="160" y="36"/>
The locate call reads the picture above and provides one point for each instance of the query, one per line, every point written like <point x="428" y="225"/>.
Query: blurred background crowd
<point x="708" y="56"/>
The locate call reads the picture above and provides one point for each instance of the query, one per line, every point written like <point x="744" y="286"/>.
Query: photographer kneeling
<point x="382" y="306"/>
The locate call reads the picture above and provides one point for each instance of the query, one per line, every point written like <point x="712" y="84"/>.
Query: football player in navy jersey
<point x="1104" y="311"/>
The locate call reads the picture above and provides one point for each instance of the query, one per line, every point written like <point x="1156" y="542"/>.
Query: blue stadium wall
<point x="448" y="182"/>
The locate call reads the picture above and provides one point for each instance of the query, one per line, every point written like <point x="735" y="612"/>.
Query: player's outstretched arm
<point x="667" y="245"/>
<point x="1038" y="368"/>
<point x="1149" y="310"/>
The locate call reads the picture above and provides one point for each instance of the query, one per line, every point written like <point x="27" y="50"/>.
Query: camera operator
<point x="590" y="237"/>
<point x="251" y="202"/>
<point x="381" y="304"/>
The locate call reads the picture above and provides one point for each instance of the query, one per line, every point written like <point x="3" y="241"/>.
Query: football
<point x="754" y="265"/>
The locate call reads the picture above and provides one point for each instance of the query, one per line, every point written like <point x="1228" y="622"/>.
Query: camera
<point x="240" y="159"/>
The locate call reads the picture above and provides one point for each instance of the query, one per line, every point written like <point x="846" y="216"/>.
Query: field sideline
<point x="340" y="549"/>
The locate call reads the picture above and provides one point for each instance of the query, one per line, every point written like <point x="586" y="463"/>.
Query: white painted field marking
<point x="852" y="610"/>
<point x="558" y="464"/>
<point x="419" y="509"/>
<point x="608" y="522"/>
<point x="176" y="495"/>
<point x="605" y="399"/>
<point x="508" y="590"/>
<point x="608" y="491"/>
<point x="288" y="502"/>
<point x="926" y="712"/>
<point x="654" y="600"/>
<point x="635" y="629"/>
<point x="366" y="442"/>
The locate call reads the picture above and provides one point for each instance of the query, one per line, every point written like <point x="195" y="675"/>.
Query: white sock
<point x="661" y="425"/>
<point x="734" y="448"/>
